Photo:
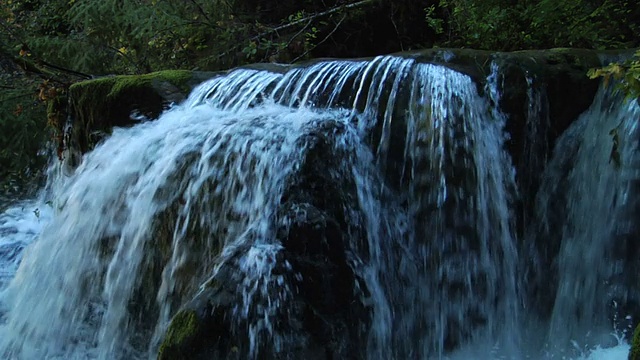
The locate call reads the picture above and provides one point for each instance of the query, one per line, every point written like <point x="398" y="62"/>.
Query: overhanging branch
<point x="305" y="20"/>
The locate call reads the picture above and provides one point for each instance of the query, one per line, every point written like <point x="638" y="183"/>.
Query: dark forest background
<point x="46" y="45"/>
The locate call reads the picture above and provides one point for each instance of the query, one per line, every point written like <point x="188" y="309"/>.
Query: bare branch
<point x="201" y="10"/>
<point x="307" y="19"/>
<point x="321" y="42"/>
<point x="317" y="15"/>
<point x="30" y="93"/>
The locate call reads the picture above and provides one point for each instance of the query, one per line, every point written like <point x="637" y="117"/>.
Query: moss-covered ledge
<point x="634" y="352"/>
<point x="97" y="105"/>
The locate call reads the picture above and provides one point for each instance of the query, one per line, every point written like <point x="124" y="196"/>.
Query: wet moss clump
<point x="634" y="353"/>
<point x="182" y="332"/>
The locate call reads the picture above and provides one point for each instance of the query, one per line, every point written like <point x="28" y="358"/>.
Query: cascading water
<point x="412" y="159"/>
<point x="586" y="205"/>
<point x="227" y="174"/>
<point x="19" y="226"/>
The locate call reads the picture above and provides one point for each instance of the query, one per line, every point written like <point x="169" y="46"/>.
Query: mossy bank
<point x="97" y="105"/>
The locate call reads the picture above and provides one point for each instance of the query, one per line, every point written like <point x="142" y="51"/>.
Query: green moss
<point x="634" y="353"/>
<point x="178" y="78"/>
<point x="114" y="86"/>
<point x="100" y="104"/>
<point x="183" y="329"/>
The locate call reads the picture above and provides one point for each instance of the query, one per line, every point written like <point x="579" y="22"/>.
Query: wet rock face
<point x="320" y="314"/>
<point x="315" y="322"/>
<point x="330" y="303"/>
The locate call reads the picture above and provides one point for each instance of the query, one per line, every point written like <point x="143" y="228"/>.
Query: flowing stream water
<point x="156" y="210"/>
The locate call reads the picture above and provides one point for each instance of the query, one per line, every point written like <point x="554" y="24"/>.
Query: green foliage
<point x="626" y="78"/>
<point x="625" y="75"/>
<point x="476" y="24"/>
<point x="512" y="25"/>
<point x="435" y="23"/>
<point x="115" y="36"/>
<point x="102" y="37"/>
<point x="23" y="130"/>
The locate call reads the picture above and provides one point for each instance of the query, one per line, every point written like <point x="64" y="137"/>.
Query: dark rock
<point x="96" y="106"/>
<point x="322" y="315"/>
<point x="315" y="245"/>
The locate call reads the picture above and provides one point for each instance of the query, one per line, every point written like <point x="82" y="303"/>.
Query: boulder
<point x="319" y="312"/>
<point x="97" y="105"/>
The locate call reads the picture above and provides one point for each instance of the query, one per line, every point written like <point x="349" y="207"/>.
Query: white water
<point x="105" y="225"/>
<point x="19" y="226"/>
<point x="217" y="167"/>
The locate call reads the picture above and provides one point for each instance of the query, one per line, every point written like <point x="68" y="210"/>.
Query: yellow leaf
<point x="617" y="70"/>
<point x="123" y="50"/>
<point x="18" y="110"/>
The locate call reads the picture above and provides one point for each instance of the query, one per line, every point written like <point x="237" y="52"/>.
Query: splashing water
<point x="19" y="225"/>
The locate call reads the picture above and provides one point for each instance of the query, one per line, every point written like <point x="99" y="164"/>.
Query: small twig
<point x="129" y="60"/>
<point x="38" y="59"/>
<point x="393" y="22"/>
<point x="17" y="97"/>
<point x="298" y="34"/>
<point x="292" y="38"/>
<point x="322" y="41"/>
<point x="64" y="70"/>
<point x="201" y="10"/>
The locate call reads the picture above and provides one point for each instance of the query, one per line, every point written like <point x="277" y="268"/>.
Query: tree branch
<point x="307" y="19"/>
<point x="322" y="41"/>
<point x="315" y="16"/>
<point x="201" y="10"/>
<point x="30" y="93"/>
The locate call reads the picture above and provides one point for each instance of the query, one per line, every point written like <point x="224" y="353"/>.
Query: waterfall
<point x="586" y="209"/>
<point x="386" y="180"/>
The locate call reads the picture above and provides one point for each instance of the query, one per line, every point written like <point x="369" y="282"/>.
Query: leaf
<point x="18" y="110"/>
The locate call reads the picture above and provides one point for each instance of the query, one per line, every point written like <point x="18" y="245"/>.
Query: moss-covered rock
<point x="181" y="333"/>
<point x="96" y="106"/>
<point x="634" y="353"/>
